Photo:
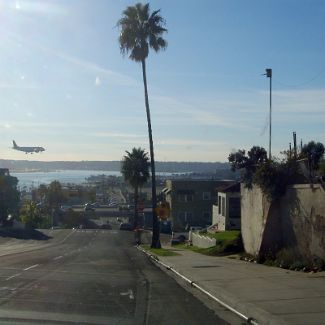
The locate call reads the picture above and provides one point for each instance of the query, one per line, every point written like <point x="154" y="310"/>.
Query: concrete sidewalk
<point x="268" y="294"/>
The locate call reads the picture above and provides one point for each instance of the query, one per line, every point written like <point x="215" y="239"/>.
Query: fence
<point x="201" y="241"/>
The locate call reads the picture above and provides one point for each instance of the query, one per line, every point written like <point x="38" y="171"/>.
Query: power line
<point x="308" y="81"/>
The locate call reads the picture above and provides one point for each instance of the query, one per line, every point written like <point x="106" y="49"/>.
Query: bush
<point x="319" y="263"/>
<point x="227" y="242"/>
<point x="274" y="177"/>
<point x="290" y="258"/>
<point x="287" y="257"/>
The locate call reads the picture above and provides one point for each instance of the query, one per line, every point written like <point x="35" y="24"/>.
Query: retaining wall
<point x="297" y="220"/>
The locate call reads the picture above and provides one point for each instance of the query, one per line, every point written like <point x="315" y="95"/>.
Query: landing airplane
<point x="30" y="150"/>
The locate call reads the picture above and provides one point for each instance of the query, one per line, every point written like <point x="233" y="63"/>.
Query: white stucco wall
<point x="218" y="219"/>
<point x="296" y="220"/>
<point x="254" y="210"/>
<point x="303" y="212"/>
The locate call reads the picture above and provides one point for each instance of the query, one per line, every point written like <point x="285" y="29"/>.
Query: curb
<point x="248" y="320"/>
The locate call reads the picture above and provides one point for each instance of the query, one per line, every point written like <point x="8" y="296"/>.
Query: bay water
<point x="34" y="179"/>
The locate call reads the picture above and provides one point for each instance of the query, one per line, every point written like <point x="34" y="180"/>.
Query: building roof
<point x="235" y="187"/>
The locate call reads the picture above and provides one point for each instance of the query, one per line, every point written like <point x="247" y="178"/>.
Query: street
<point x="93" y="277"/>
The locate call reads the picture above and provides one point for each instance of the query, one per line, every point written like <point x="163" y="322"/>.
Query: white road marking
<point x="13" y="276"/>
<point x="31" y="267"/>
<point x="7" y="288"/>
<point x="58" y="257"/>
<point x="128" y="293"/>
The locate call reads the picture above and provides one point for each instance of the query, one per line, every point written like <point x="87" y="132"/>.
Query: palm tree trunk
<point x="155" y="243"/>
<point x="136" y="218"/>
<point x="136" y="199"/>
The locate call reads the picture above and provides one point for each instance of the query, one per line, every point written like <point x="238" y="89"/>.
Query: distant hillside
<point x="169" y="166"/>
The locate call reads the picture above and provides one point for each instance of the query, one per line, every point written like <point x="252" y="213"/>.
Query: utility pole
<point x="290" y="150"/>
<point x="269" y="75"/>
<point x="295" y="144"/>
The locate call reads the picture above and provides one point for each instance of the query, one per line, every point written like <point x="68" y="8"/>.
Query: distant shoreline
<point x="28" y="166"/>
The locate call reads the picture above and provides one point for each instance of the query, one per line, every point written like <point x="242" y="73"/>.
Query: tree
<point x="71" y="218"/>
<point x="135" y="170"/>
<point x="30" y="215"/>
<point x="141" y="31"/>
<point x="9" y="196"/>
<point x="55" y="195"/>
<point x="271" y="176"/>
<point x="249" y="163"/>
<point x="322" y="167"/>
<point x="313" y="152"/>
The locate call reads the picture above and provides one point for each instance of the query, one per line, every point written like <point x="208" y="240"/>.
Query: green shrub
<point x="319" y="263"/>
<point x="290" y="258"/>
<point x="227" y="242"/>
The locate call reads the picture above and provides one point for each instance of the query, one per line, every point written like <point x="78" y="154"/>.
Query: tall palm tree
<point x="135" y="170"/>
<point x="140" y="31"/>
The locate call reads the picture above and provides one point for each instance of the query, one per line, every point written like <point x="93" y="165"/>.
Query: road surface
<point x="93" y="277"/>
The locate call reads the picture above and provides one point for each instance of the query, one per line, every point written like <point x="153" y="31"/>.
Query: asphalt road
<point x="93" y="277"/>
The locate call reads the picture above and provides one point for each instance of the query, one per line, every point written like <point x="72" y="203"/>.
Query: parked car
<point x="96" y="205"/>
<point x="89" y="207"/>
<point x="126" y="226"/>
<point x="106" y="226"/>
<point x="179" y="237"/>
<point x="65" y="208"/>
<point x="165" y="227"/>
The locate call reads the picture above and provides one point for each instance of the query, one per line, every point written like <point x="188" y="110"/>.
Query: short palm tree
<point x="135" y="170"/>
<point x="140" y="31"/>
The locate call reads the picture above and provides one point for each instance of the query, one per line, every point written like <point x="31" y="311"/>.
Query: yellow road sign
<point x="163" y="210"/>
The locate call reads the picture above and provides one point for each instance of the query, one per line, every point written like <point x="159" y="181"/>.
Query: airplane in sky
<point x="30" y="150"/>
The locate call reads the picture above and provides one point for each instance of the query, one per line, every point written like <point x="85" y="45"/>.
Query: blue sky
<point x="64" y="84"/>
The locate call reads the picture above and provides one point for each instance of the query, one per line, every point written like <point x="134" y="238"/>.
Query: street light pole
<point x="269" y="75"/>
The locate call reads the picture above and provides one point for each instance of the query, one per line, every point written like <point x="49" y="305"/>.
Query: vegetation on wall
<point x="273" y="176"/>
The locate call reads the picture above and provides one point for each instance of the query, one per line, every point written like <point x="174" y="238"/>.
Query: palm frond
<point x="135" y="167"/>
<point x="140" y="31"/>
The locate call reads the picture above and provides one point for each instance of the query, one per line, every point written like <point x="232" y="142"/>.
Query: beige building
<point x="191" y="201"/>
<point x="226" y="212"/>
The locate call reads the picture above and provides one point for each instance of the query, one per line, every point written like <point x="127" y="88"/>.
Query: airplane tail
<point x="14" y="143"/>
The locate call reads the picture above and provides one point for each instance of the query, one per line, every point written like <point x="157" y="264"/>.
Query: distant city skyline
<point x="65" y="86"/>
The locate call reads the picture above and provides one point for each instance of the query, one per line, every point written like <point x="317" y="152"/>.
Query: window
<point x="185" y="216"/>
<point x="219" y="204"/>
<point x="206" y="196"/>
<point x="234" y="207"/>
<point x="185" y="197"/>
